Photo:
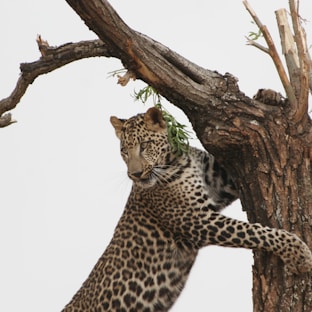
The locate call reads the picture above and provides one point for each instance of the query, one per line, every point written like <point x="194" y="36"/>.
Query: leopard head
<point x="144" y="147"/>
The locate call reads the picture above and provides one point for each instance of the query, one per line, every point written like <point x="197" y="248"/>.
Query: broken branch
<point x="275" y="57"/>
<point x="304" y="61"/>
<point x="52" y="58"/>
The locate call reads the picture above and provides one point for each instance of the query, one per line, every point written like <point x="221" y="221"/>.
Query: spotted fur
<point x="173" y="210"/>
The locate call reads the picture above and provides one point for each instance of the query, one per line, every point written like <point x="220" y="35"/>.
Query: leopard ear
<point x="117" y="124"/>
<point x="154" y="120"/>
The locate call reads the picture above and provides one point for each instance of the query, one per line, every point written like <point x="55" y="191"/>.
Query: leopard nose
<point x="135" y="175"/>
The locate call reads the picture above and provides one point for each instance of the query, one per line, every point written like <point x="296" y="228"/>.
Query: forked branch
<point x="297" y="57"/>
<point x="272" y="51"/>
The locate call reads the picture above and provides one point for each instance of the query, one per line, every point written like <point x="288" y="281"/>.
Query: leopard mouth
<point x="147" y="181"/>
<point x="143" y="180"/>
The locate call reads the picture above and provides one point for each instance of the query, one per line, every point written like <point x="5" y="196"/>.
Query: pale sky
<point x="63" y="183"/>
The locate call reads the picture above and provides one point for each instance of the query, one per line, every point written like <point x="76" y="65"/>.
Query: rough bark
<point x="265" y="147"/>
<point x="276" y="186"/>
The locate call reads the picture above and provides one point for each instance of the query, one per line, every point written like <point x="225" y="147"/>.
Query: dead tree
<point x="266" y="142"/>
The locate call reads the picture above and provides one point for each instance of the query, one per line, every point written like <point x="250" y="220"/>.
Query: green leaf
<point x="252" y="35"/>
<point x="177" y="133"/>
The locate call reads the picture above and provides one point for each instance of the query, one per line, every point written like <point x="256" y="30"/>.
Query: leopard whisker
<point x="162" y="175"/>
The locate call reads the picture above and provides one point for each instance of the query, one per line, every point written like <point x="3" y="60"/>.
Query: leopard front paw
<point x="297" y="256"/>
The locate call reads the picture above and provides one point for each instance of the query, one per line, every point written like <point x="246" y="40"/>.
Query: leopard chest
<point x="190" y="190"/>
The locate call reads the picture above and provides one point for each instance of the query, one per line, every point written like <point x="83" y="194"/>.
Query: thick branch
<point x="134" y="49"/>
<point x="288" y="46"/>
<point x="187" y="85"/>
<point x="294" y="62"/>
<point x="52" y="58"/>
<point x="304" y="61"/>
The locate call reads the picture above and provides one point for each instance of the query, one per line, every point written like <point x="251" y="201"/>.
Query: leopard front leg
<point x="213" y="228"/>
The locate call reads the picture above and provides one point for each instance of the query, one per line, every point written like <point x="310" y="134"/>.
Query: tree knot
<point x="270" y="97"/>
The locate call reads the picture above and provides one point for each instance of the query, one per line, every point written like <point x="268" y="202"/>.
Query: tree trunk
<point x="269" y="155"/>
<point x="275" y="181"/>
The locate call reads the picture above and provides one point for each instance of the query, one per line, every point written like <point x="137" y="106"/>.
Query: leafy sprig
<point x="145" y="93"/>
<point x="252" y="35"/>
<point x="177" y="134"/>
<point x="117" y="72"/>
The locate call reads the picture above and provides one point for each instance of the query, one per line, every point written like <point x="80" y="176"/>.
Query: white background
<point x="63" y="185"/>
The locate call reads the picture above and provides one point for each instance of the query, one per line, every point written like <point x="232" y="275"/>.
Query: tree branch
<point x="297" y="59"/>
<point x="129" y="45"/>
<point x="185" y="84"/>
<point x="275" y="57"/>
<point x="288" y="46"/>
<point x="257" y="45"/>
<point x="304" y="61"/>
<point x="52" y="58"/>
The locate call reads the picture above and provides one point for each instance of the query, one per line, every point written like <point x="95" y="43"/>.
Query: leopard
<point x="173" y="210"/>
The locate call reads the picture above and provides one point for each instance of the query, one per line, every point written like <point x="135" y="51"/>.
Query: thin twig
<point x="257" y="45"/>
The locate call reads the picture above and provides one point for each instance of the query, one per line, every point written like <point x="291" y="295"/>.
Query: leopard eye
<point x="124" y="151"/>
<point x="144" y="145"/>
